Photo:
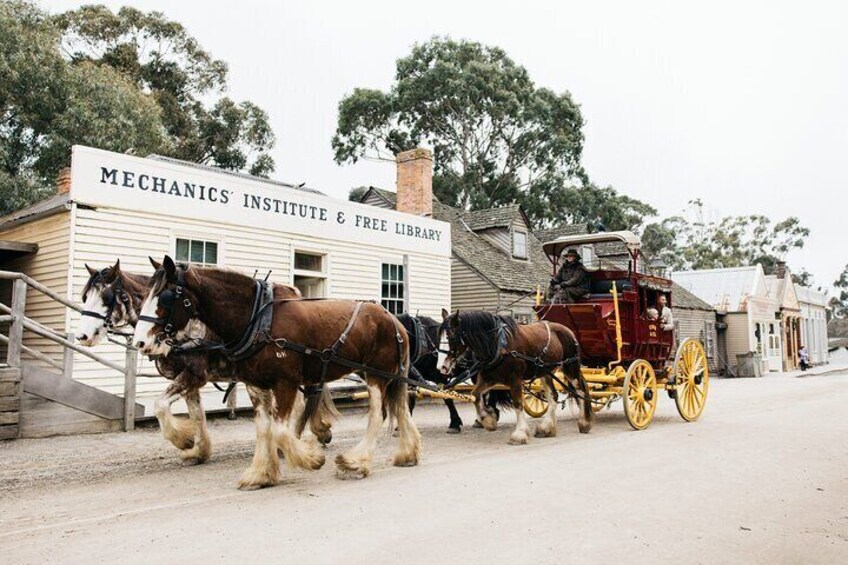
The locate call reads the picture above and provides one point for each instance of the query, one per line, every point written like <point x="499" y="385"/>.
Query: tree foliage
<point x="839" y="302"/>
<point x="732" y="241"/>
<point x="497" y="138"/>
<point x="126" y="82"/>
<point x="161" y="58"/>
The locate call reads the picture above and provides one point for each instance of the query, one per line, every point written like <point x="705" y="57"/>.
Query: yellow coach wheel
<point x="692" y="379"/>
<point x="534" y="406"/>
<point x="640" y="394"/>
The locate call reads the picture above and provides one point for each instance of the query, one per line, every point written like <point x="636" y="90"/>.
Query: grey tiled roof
<point x="550" y="234"/>
<point x="490" y="261"/>
<point x="492" y="217"/>
<point x="682" y="298"/>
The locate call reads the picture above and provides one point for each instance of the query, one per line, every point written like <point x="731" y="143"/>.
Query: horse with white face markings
<point x="113" y="300"/>
<point x="501" y="352"/>
<point x="307" y="343"/>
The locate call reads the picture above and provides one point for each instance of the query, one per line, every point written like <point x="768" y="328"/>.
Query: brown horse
<point x="112" y="299"/>
<point x="374" y="340"/>
<point x="502" y="352"/>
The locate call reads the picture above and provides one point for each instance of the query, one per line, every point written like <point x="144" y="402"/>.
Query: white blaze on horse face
<point x="442" y="363"/>
<point x="145" y="331"/>
<point x="91" y="330"/>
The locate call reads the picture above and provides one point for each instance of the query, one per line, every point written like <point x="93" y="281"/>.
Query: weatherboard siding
<point x="48" y="266"/>
<point x="469" y="290"/>
<point x="739" y="336"/>
<point x="353" y="270"/>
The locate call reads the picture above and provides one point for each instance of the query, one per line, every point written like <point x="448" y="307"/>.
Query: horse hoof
<point x="489" y="423"/>
<point x="326" y="438"/>
<point x="477" y="424"/>
<point x="541" y="432"/>
<point x="256" y="483"/>
<point x="454" y="430"/>
<point x="405" y="461"/>
<point x="518" y="440"/>
<point x="347" y="470"/>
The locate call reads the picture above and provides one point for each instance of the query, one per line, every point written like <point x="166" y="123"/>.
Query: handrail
<point x="19" y="322"/>
<point x="12" y="275"/>
<point x="37" y="354"/>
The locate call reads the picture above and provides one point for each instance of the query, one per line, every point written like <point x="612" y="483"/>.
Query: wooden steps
<point x="10" y="402"/>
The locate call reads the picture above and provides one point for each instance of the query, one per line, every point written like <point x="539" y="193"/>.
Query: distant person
<point x="804" y="358"/>
<point x="666" y="318"/>
<point x="572" y="280"/>
<point x="652" y="314"/>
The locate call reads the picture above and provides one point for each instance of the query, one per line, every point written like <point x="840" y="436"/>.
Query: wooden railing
<point x="15" y="316"/>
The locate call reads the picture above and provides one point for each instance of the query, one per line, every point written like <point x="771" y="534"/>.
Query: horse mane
<point x="480" y="329"/>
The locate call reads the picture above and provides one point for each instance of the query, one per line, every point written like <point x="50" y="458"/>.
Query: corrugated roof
<point x="238" y="174"/>
<point x="807" y="295"/>
<point x="725" y="289"/>
<point x="55" y="203"/>
<point x="682" y="298"/>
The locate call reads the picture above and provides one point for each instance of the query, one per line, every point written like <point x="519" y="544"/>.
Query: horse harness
<point x="118" y="294"/>
<point x="257" y="335"/>
<point x="538" y="362"/>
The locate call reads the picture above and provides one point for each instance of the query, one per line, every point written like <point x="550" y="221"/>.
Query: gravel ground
<point x="762" y="478"/>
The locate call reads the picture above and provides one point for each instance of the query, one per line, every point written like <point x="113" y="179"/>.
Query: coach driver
<point x="572" y="280"/>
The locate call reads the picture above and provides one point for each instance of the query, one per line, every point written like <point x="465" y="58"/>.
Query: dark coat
<point x="572" y="275"/>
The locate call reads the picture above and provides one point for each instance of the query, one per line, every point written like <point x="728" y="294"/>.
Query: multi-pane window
<point x="392" y="293"/>
<point x="196" y="251"/>
<point x="310" y="274"/>
<point x="519" y="244"/>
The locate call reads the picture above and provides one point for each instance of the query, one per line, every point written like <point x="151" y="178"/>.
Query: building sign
<point x="114" y="180"/>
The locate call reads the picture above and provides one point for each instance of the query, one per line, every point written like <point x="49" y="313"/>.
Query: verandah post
<point x="131" y="359"/>
<point x="16" y="330"/>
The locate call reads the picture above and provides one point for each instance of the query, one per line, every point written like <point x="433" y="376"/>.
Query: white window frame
<point x="210" y="237"/>
<point x="526" y="244"/>
<point x="404" y="282"/>
<point x="325" y="265"/>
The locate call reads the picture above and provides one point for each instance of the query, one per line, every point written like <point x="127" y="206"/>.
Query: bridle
<point x="118" y="294"/>
<point x="166" y="300"/>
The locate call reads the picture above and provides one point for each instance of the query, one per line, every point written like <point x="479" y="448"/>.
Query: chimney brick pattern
<point x="63" y="181"/>
<point x="415" y="182"/>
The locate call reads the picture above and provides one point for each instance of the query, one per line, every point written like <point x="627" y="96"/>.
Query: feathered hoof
<point x="543" y="431"/>
<point x="584" y="427"/>
<point x="453" y="430"/>
<point x="195" y="457"/>
<point x="349" y="470"/>
<point x="518" y="439"/>
<point x="489" y="423"/>
<point x="255" y="480"/>
<point x="406" y="459"/>
<point x="310" y="458"/>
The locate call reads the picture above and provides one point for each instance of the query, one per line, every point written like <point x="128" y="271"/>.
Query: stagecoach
<point x="624" y="353"/>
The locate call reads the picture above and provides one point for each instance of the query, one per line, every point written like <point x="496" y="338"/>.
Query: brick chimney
<point x="415" y="182"/>
<point x="781" y="269"/>
<point x="63" y="181"/>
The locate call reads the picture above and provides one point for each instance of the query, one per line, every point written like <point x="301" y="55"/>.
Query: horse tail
<point x="500" y="398"/>
<point x="397" y="390"/>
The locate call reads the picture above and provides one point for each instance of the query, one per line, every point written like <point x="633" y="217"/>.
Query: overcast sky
<point x="742" y="104"/>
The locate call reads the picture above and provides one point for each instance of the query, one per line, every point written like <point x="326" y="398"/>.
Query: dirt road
<point x="762" y="478"/>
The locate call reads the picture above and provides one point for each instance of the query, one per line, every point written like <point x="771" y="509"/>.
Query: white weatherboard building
<point x="129" y="208"/>
<point x="751" y="313"/>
